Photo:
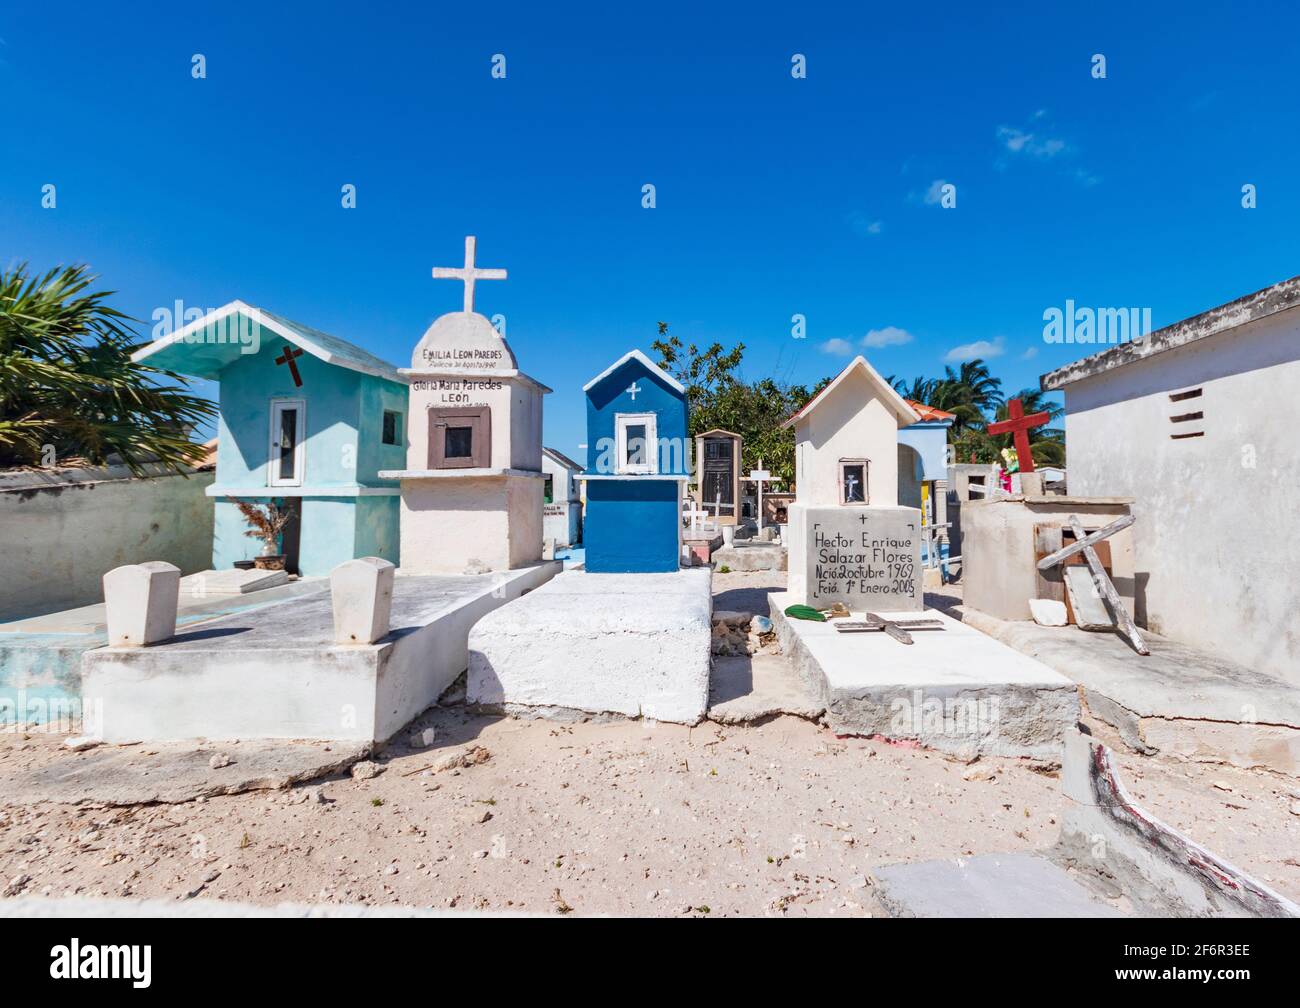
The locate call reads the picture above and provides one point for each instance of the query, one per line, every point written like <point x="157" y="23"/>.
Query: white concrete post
<point x="362" y="595"/>
<point x="140" y="603"/>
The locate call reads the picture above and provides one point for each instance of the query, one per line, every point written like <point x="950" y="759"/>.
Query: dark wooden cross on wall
<point x="1019" y="425"/>
<point x="287" y="357"/>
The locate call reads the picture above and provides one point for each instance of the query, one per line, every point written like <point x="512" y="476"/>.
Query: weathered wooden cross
<point x="290" y="352"/>
<point x="1019" y="425"/>
<point x="468" y="273"/>
<point x="1084" y="544"/>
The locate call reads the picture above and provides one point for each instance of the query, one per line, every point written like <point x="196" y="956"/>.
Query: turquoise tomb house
<point x="306" y="420"/>
<point x="637" y="467"/>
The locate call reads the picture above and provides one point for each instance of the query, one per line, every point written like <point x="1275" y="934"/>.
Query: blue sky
<point x="775" y="196"/>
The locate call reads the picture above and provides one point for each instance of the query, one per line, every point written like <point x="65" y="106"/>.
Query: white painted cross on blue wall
<point x="634" y="388"/>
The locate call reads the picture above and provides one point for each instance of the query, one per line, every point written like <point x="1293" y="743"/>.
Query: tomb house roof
<point x="929" y="413"/>
<point x="188" y="351"/>
<point x="1250" y="308"/>
<point x="888" y="394"/>
<point x="562" y="459"/>
<point x="646" y="361"/>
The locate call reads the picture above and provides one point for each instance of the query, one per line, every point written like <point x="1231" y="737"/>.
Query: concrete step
<point x="987" y="885"/>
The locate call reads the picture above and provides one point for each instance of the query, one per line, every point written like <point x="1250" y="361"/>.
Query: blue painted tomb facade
<point x="637" y="467"/>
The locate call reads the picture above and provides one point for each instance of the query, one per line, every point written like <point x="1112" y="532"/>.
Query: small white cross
<point x="634" y="388"/>
<point x="468" y="274"/>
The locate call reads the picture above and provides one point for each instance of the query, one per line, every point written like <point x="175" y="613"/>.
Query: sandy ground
<point x="619" y="818"/>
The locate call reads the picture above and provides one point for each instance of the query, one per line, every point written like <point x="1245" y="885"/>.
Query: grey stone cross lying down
<point x="897" y="629"/>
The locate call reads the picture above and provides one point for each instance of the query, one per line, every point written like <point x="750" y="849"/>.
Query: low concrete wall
<point x="1163" y="873"/>
<point x="997" y="548"/>
<point x="64" y="528"/>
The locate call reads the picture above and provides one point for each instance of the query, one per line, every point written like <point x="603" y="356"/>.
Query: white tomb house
<point x="472" y="486"/>
<point x="849" y="540"/>
<point x="887" y="668"/>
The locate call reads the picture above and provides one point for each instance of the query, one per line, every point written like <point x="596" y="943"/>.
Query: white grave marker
<point x="140" y="603"/>
<point x="362" y="595"/>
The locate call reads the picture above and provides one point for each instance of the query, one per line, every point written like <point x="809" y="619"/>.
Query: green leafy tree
<point x="68" y="386"/>
<point x="717" y="397"/>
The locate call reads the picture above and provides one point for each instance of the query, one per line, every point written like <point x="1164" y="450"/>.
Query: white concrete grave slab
<point x="629" y="644"/>
<point x="275" y="671"/>
<point x="361" y="593"/>
<point x="954" y="689"/>
<point x="140" y="603"/>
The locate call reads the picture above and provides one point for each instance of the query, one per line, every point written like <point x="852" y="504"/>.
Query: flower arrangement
<point x="265" y="521"/>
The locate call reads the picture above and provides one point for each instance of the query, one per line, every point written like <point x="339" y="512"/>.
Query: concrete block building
<point x="1196" y="423"/>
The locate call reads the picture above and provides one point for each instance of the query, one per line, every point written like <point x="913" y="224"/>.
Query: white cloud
<point x="980" y="348"/>
<point x="840" y="347"/>
<point x="865" y="225"/>
<point x="1030" y="353"/>
<point x="935" y="193"/>
<point x="1019" y="141"/>
<point x="888" y="336"/>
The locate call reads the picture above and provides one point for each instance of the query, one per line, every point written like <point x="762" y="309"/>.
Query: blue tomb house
<point x="307" y="420"/>
<point x="637" y="468"/>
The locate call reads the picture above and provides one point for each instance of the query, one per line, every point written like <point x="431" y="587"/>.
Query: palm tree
<point x="920" y="390"/>
<point x="68" y="386"/>
<point x="948" y="394"/>
<point x="980" y="388"/>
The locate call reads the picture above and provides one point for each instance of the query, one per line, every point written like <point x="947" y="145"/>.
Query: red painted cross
<point x="1019" y="425"/>
<point x="287" y="358"/>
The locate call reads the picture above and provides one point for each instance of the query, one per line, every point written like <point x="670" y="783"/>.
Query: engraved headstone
<point x="867" y="558"/>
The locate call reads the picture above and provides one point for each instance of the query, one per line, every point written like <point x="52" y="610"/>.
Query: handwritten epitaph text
<point x="869" y="561"/>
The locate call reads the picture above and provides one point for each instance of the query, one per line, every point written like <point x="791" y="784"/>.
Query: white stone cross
<point x="634" y="388"/>
<point x="468" y="274"/>
<point x="758" y="477"/>
<point x="693" y="513"/>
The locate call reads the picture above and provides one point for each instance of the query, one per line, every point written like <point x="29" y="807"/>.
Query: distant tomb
<point x="717" y="472"/>
<point x="561" y="501"/>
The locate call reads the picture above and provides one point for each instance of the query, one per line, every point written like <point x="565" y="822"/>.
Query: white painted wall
<point x="449" y="524"/>
<point x="61" y="530"/>
<point x="1218" y="560"/>
<point x="850" y="421"/>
